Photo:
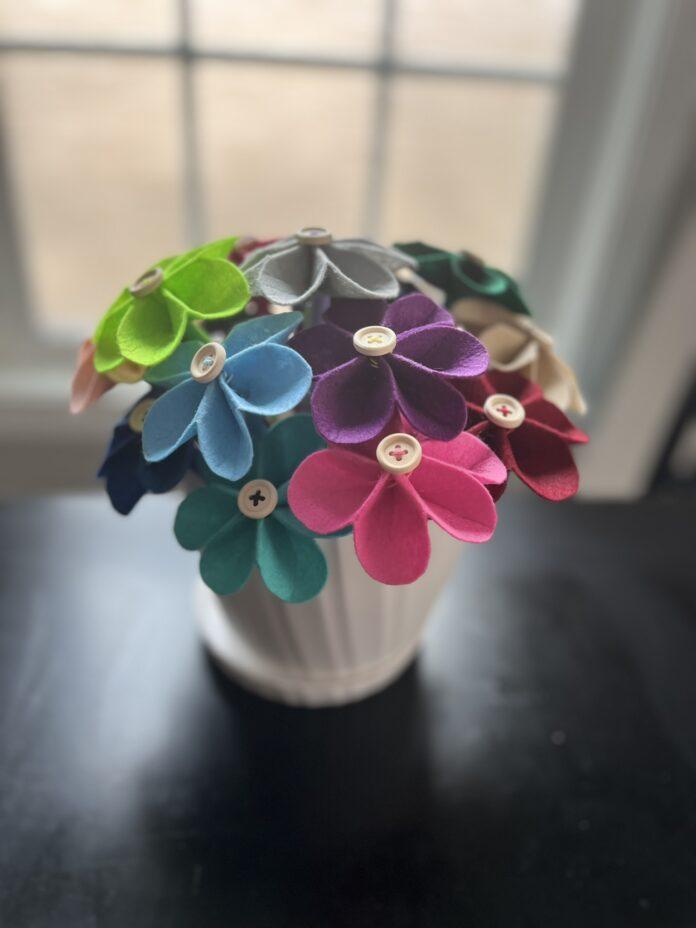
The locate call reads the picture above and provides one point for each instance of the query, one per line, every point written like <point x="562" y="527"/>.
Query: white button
<point x="374" y="340"/>
<point x="147" y="282"/>
<point x="208" y="362"/>
<point x="399" y="453"/>
<point x="126" y="372"/>
<point x="504" y="410"/>
<point x="257" y="499"/>
<point x="314" y="235"/>
<point x="136" y="420"/>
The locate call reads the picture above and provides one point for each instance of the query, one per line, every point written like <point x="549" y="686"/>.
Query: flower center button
<point x="399" y="453"/>
<point x="504" y="411"/>
<point x="257" y="499"/>
<point x="208" y="362"/>
<point x="147" y="282"/>
<point x="374" y="340"/>
<point x="136" y="420"/>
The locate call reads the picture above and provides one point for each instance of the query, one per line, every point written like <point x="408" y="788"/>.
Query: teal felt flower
<point x="237" y="526"/>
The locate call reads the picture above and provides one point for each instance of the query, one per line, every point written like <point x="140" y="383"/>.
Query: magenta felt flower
<point x="388" y="498"/>
<point x="371" y="359"/>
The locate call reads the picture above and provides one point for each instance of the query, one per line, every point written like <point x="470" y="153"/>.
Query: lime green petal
<point x="107" y="355"/>
<point x="151" y="329"/>
<point x="195" y="331"/>
<point x="202" y="514"/>
<point x="117" y="309"/>
<point x="291" y="565"/>
<point x="210" y="288"/>
<point x="218" y="249"/>
<point x="228" y="559"/>
<point x="285" y="445"/>
<point x="175" y="368"/>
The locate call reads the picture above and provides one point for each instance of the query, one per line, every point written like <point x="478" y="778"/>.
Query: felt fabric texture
<point x="289" y="272"/>
<point x="288" y="558"/>
<point x="515" y="343"/>
<point x="461" y="276"/>
<point x="389" y="513"/>
<point x="87" y="384"/>
<point x="537" y="451"/>
<point x="128" y="476"/>
<point x="261" y="377"/>
<point x="201" y="284"/>
<point x="258" y="306"/>
<point x="355" y="396"/>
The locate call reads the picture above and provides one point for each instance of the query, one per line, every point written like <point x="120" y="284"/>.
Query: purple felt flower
<point x="370" y="359"/>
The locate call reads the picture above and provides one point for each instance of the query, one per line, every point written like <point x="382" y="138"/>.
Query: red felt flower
<point x="529" y="434"/>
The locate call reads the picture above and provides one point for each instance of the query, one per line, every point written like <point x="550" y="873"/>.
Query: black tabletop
<point x="535" y="767"/>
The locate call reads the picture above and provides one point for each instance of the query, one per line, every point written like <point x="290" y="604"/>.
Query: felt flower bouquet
<point x="309" y="387"/>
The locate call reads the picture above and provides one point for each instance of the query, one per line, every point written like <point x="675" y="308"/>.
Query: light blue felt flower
<point x="260" y="376"/>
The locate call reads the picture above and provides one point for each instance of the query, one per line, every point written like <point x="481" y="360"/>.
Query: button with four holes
<point x="136" y="419"/>
<point x="314" y="235"/>
<point x="504" y="410"/>
<point x="399" y="453"/>
<point x="374" y="340"/>
<point x="208" y="362"/>
<point x="257" y="499"/>
<point x="147" y="282"/>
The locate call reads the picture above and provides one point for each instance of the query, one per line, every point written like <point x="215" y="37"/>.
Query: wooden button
<point x="314" y="235"/>
<point x="208" y="362"/>
<point x="504" y="410"/>
<point x="147" y="282"/>
<point x="257" y="499"/>
<point x="136" y="420"/>
<point x="374" y="340"/>
<point x="399" y="453"/>
<point x="126" y="372"/>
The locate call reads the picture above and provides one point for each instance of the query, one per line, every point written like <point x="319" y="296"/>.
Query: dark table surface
<point x="535" y="767"/>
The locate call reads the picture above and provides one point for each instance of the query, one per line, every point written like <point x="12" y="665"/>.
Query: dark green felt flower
<point x="237" y="526"/>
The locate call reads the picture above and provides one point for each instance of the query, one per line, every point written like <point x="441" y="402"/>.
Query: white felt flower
<point x="516" y="344"/>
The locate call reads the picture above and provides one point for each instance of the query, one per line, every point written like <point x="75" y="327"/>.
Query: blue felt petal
<point x="276" y="328"/>
<point x="171" y="421"/>
<point x="223" y="436"/>
<point x="123" y="436"/>
<point x="122" y="483"/>
<point x="176" y="368"/>
<point x="266" y="380"/>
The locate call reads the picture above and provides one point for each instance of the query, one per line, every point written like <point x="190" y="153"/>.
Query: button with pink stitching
<point x="147" y="283"/>
<point x="374" y="340"/>
<point x="208" y="362"/>
<point x="504" y="410"/>
<point x="399" y="453"/>
<point x="314" y="235"/>
<point x="257" y="499"/>
<point x="136" y="420"/>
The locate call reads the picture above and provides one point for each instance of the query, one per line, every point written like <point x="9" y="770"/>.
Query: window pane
<point x="464" y="161"/>
<point x="507" y="33"/>
<point x="283" y="147"/>
<point x="327" y="27"/>
<point x="95" y="173"/>
<point x="103" y="20"/>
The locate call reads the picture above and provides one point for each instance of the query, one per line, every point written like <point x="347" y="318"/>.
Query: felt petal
<point x="223" y="435"/>
<point x="87" y="384"/>
<point x="267" y="379"/>
<point x="163" y="476"/>
<point x="414" y="311"/>
<point x="171" y="420"/>
<point x="431" y="405"/>
<point x="107" y="354"/>
<point x="324" y="347"/>
<point x="123" y="437"/>
<point x="559" y="382"/>
<point x="277" y="328"/>
<point x="291" y="565"/>
<point x="513" y="384"/>
<point x="124" y="489"/>
<point x="176" y="368"/>
<point x="390" y="258"/>
<point x="288" y="277"/>
<point x="285" y="446"/>
<point x="544" y="462"/>
<point x="354" y="402"/>
<point x="510" y="347"/>
<point x="549" y="417"/>
<point x="351" y="273"/>
<point x="257" y="255"/>
<point x="209" y="287"/>
<point x="455" y="500"/>
<point x="469" y="453"/>
<point x="352" y="315"/>
<point x="444" y="349"/>
<point x="228" y="559"/>
<point x="391" y="534"/>
<point x="151" y="329"/>
<point x="202" y="514"/>
<point x="329" y="487"/>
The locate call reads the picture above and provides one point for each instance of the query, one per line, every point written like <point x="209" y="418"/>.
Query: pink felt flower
<point x="389" y="511"/>
<point x="528" y="433"/>
<point x="87" y="384"/>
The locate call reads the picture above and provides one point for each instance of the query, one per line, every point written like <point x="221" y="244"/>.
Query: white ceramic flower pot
<point x="350" y="641"/>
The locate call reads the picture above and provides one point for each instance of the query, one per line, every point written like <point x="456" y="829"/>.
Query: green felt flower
<point x="464" y="276"/>
<point x="167" y="304"/>
<point x="238" y="525"/>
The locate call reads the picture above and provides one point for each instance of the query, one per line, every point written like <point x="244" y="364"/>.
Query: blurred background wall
<point x="553" y="137"/>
